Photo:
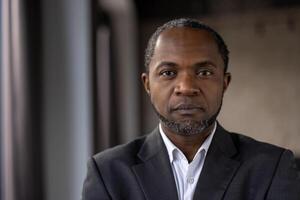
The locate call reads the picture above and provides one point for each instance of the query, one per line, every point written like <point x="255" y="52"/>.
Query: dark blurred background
<point x="70" y="81"/>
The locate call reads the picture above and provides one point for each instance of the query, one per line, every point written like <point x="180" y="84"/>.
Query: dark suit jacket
<point x="236" y="168"/>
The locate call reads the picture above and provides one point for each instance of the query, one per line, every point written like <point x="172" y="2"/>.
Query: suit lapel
<point x="155" y="174"/>
<point x="219" y="167"/>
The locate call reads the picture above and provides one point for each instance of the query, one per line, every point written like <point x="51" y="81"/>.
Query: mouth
<point x="187" y="109"/>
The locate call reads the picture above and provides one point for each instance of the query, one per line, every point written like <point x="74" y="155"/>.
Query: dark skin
<point x="186" y="82"/>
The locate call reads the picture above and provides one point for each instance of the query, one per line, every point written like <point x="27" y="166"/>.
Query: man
<point x="190" y="156"/>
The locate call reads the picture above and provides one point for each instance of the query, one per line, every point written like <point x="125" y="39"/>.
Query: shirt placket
<point x="191" y="174"/>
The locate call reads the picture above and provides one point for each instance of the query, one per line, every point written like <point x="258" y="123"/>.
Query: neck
<point x="188" y="144"/>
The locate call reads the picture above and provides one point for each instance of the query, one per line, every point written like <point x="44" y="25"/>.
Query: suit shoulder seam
<point x="275" y="169"/>
<point x="95" y="166"/>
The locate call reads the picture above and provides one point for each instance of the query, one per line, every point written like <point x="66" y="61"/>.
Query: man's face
<point x="186" y="79"/>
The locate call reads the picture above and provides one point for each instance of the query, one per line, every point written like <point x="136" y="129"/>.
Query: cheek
<point x="215" y="95"/>
<point x="160" y="98"/>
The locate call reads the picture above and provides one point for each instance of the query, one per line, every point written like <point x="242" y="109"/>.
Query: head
<point x="189" y="23"/>
<point x="186" y="75"/>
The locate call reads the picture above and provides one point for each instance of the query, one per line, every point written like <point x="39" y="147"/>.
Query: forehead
<point x="186" y="35"/>
<point x="185" y="43"/>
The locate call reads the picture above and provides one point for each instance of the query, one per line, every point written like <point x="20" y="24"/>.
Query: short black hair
<point x="190" y="23"/>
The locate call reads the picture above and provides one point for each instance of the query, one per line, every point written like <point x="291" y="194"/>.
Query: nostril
<point x="196" y="91"/>
<point x="187" y="91"/>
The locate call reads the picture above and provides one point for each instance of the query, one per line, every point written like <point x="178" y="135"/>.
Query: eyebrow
<point x="165" y="63"/>
<point x="205" y="63"/>
<point x="197" y="64"/>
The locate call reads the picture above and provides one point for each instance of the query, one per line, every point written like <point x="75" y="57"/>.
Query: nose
<point x="187" y="86"/>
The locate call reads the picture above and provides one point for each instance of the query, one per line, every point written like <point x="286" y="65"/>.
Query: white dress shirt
<point x="186" y="174"/>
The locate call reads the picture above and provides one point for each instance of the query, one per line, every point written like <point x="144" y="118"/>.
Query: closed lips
<point x="187" y="107"/>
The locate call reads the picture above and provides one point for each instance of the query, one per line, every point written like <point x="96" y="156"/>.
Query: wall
<point x="263" y="98"/>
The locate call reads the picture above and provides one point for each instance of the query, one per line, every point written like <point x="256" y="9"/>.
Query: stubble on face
<point x="187" y="127"/>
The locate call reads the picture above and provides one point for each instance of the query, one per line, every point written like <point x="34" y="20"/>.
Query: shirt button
<point x="190" y="180"/>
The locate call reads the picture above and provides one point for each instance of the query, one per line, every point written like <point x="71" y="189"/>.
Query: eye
<point x="204" y="73"/>
<point x="167" y="73"/>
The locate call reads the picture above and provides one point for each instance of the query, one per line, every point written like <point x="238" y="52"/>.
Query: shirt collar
<point x="171" y="148"/>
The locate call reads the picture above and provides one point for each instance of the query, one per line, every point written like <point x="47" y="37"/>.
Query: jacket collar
<point x="219" y="167"/>
<point x="156" y="177"/>
<point x="155" y="173"/>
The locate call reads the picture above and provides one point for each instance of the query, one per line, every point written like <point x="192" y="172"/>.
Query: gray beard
<point x="188" y="127"/>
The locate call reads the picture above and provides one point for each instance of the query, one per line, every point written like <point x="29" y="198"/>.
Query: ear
<point x="145" y="80"/>
<point x="227" y="79"/>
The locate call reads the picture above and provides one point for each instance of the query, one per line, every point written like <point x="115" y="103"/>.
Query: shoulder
<point x="121" y="153"/>
<point x="269" y="162"/>
<point x="111" y="169"/>
<point x="244" y="147"/>
<point x="250" y="146"/>
<point x="260" y="153"/>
